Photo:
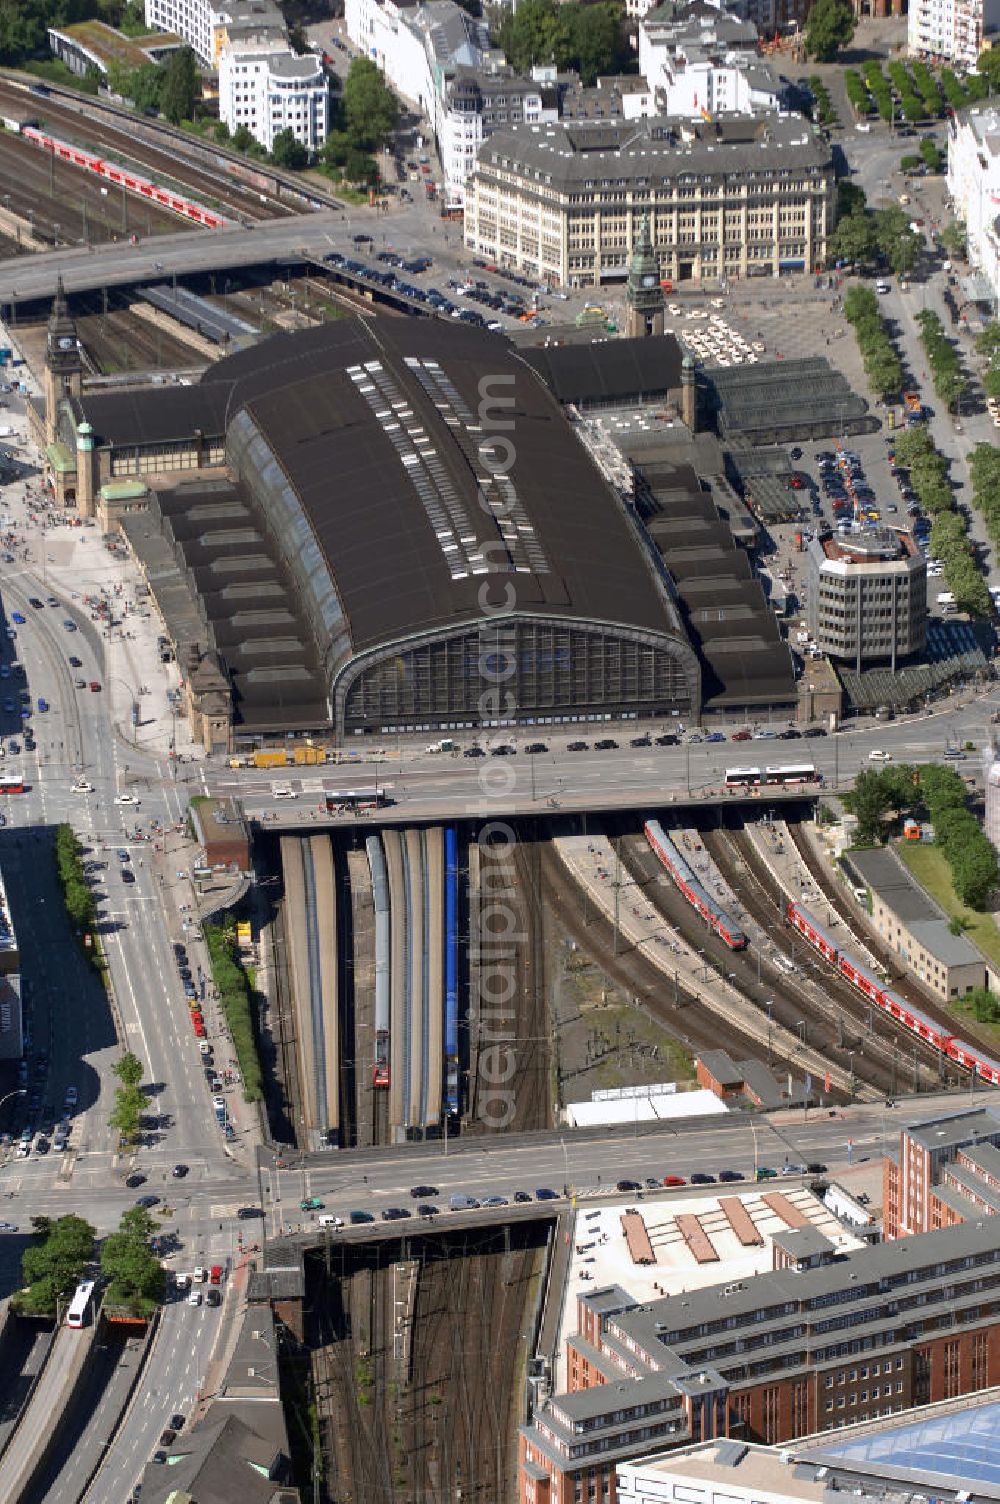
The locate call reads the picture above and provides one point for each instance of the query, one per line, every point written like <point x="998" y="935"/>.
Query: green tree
<point x="370" y="108"/>
<point x="594" y="40"/>
<point x="850" y="198"/>
<point x="51" y="1269"/>
<point x="242" y="139"/>
<point x="988" y="342"/>
<point x="869" y="801"/>
<point x="829" y="27"/>
<point x="181" y="86"/>
<point x="535" y="31"/>
<point x="135" y="1275"/>
<point x="288" y="150"/>
<point x="126" y="1114"/>
<point x="974" y="871"/>
<point x="988" y="67"/>
<point x="128" y="1069"/>
<point x="854" y="238"/>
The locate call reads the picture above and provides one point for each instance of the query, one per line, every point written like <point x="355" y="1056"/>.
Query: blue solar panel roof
<point x="955" y="1451"/>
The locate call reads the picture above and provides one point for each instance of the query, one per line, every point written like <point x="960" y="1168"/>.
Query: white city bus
<point x="80" y="1311"/>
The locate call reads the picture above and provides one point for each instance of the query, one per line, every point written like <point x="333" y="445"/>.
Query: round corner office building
<point x="410" y="536"/>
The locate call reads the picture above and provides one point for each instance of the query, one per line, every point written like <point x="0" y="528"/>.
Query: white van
<point x="282" y="791"/>
<point x="329" y="1220"/>
<point x="877" y="755"/>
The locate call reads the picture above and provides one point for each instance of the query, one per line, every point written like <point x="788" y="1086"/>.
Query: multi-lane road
<point x="428" y="786"/>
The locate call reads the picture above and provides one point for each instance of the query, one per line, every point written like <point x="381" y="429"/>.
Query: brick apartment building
<point x="831" y="1340"/>
<point x="946" y="1171"/>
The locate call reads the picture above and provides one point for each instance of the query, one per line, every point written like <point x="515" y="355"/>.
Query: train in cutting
<point x="125" y="178"/>
<point x="688" y="884"/>
<point x="972" y="1057"/>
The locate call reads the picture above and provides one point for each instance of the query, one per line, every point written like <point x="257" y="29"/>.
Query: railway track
<point x="63" y="204"/>
<point x="94" y="126"/>
<point x="925" y="1002"/>
<point x="673" y="1009"/>
<point x="468" y="1315"/>
<point x="850" y="1028"/>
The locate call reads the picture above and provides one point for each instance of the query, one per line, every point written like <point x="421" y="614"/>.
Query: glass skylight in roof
<point x="962" y="1446"/>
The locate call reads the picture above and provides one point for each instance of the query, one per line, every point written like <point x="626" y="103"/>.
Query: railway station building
<point x="910" y="923"/>
<point x="375" y="526"/>
<point x="838" y="1339"/>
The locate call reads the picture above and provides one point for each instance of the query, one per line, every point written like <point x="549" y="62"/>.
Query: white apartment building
<point x="953" y="31"/>
<point x="702" y="60"/>
<point x="436" y="57"/>
<point x="270" y="91"/>
<point x="192" y="20"/>
<point x="974" y="185"/>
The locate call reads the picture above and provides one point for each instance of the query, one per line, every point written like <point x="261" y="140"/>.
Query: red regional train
<point x="971" y="1056"/>
<point x="113" y="172"/>
<point x="692" y="888"/>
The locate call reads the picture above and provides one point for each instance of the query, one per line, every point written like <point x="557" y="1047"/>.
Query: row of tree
<point x="53" y="1266"/>
<point x="984" y="468"/>
<point x="950" y="542"/>
<point x="883" y="796"/>
<point x="76" y="890"/>
<point x="878" y="353"/>
<point x="126" y="1115"/>
<point x="943" y="359"/>
<point x="234" y="995"/>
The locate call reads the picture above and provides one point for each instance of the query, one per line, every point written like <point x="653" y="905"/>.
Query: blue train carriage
<point x="451" y="1062"/>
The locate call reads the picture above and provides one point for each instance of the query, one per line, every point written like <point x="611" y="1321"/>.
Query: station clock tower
<point x="644" y="293"/>
<point x="63" y="362"/>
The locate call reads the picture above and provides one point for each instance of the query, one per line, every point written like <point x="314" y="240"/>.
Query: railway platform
<point x="592" y="862"/>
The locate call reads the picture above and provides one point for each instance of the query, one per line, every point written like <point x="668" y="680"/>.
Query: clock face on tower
<point x="649" y="280"/>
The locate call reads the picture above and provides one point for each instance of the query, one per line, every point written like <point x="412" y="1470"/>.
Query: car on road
<point x="148" y="1201"/>
<point x="728" y="1176"/>
<point x="51" y="600"/>
<point x="668" y="740"/>
<point x="8" y="1227"/>
<point x="69" y="625"/>
<point x="494" y="1201"/>
<point x="194" y="1299"/>
<point x="128" y="876"/>
<point x="17" y="617"/>
<point x="421" y="1192"/>
<point x="473" y="752"/>
<point x="95" y="688"/>
<point x="395" y="1213"/>
<point x="135" y="1180"/>
<point x="606" y="744"/>
<point x="357" y="1218"/>
<point x="72" y="1096"/>
<point x="764" y="1172"/>
<point x="167" y="1436"/>
<point x="536" y="747"/>
<point x="815" y="1168"/>
<point x="628" y="1185"/>
<point x="310" y="1203"/>
<point x="246" y="1212"/>
<point x="75" y="662"/>
<point x="814" y="731"/>
<point x="213" y="1297"/>
<point x="577" y="747"/>
<point x="640" y="741"/>
<point x="126" y="799"/>
<point x="521" y="1198"/>
<point x="544" y="1194"/>
<point x="179" y="1171"/>
<point x="674" y="1180"/>
<point x="701" y="1178"/>
<point x="427" y="1209"/>
<point x="741" y="736"/>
